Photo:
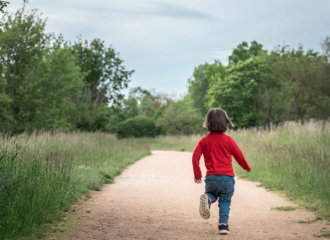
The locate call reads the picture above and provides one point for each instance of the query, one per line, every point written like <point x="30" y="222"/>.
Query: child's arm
<point x="195" y="161"/>
<point x="239" y="157"/>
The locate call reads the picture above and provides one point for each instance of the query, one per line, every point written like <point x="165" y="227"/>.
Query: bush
<point x="139" y="126"/>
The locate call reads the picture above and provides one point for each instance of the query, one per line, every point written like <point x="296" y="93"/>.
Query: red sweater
<point x="217" y="149"/>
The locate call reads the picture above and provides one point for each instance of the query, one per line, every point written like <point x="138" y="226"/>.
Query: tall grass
<point x="40" y="175"/>
<point x="294" y="159"/>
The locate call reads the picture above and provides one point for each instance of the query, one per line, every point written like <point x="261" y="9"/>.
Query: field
<point x="42" y="175"/>
<point x="294" y="159"/>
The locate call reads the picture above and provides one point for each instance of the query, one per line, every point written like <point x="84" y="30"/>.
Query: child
<point x="217" y="149"/>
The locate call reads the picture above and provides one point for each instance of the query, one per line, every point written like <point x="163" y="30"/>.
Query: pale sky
<point x="164" y="40"/>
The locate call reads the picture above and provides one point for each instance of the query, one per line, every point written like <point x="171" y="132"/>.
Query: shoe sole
<point x="203" y="207"/>
<point x="224" y="232"/>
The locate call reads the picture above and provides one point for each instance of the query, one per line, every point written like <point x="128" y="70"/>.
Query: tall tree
<point x="23" y="43"/>
<point x="305" y="82"/>
<point x="40" y="83"/>
<point x="243" y="52"/>
<point x="204" y="76"/>
<point x="241" y="91"/>
<point x="106" y="74"/>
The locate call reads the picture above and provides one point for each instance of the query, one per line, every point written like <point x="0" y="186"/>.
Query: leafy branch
<point x="3" y="4"/>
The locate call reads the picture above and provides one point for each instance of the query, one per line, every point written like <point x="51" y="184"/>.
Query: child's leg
<point x="208" y="197"/>
<point x="211" y="197"/>
<point x="225" y="195"/>
<point x="211" y="187"/>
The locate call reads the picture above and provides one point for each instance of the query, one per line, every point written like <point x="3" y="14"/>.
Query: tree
<point x="180" y="118"/>
<point x="243" y="52"/>
<point x="106" y="74"/>
<point x="240" y="93"/>
<point x="23" y="44"/>
<point x="153" y="104"/>
<point x="305" y="82"/>
<point x="40" y="83"/>
<point x="3" y="4"/>
<point x="326" y="47"/>
<point x="198" y="87"/>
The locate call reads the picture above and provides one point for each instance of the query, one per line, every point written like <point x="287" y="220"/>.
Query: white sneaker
<point x="204" y="206"/>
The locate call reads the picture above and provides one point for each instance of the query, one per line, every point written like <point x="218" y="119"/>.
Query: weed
<point x="327" y="235"/>
<point x="288" y="208"/>
<point x="311" y="221"/>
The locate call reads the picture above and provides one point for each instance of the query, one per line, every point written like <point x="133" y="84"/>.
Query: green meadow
<point x="42" y="175"/>
<point x="294" y="159"/>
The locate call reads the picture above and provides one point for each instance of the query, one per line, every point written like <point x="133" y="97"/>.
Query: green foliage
<point x="23" y="47"/>
<point x="243" y="52"/>
<point x="198" y="86"/>
<point x="139" y="102"/>
<point x="240" y="92"/>
<point x="46" y="83"/>
<point x="106" y="74"/>
<point x="139" y="126"/>
<point x="304" y="80"/>
<point x="260" y="88"/>
<point x="3" y="4"/>
<point x="180" y="118"/>
<point x="44" y="174"/>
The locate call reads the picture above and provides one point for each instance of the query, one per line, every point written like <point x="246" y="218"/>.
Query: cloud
<point x="176" y="11"/>
<point x="153" y="8"/>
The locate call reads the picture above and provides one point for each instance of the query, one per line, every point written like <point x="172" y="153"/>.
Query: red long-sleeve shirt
<point x="217" y="149"/>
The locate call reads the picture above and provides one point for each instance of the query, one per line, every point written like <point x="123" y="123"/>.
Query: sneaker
<point x="204" y="206"/>
<point x="223" y="228"/>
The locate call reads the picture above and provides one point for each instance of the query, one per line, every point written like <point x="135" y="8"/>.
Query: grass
<point x="326" y="235"/>
<point x="311" y="221"/>
<point x="288" y="208"/>
<point x="294" y="159"/>
<point x="42" y="175"/>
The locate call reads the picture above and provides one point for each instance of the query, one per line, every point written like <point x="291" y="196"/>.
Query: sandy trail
<point x="156" y="198"/>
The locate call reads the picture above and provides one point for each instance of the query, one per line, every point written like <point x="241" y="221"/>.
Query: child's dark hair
<point x="217" y="120"/>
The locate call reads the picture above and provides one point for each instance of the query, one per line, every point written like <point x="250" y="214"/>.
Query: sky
<point x="163" y="41"/>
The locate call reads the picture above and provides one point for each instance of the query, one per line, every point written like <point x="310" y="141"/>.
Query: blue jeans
<point x="222" y="187"/>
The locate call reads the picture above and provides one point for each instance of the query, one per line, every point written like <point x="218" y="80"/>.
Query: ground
<point x="156" y="198"/>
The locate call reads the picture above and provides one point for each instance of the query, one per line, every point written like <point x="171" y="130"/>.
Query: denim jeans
<point x="220" y="187"/>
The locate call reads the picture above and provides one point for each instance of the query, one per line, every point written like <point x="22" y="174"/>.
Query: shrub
<point x="139" y="126"/>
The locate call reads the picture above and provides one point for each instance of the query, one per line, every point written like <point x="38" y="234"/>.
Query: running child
<point x="217" y="149"/>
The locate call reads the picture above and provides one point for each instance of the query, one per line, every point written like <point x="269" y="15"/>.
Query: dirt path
<point x="157" y="199"/>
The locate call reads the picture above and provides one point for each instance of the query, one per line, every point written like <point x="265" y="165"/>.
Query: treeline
<point x="49" y="83"/>
<point x="260" y="87"/>
<point x="257" y="88"/>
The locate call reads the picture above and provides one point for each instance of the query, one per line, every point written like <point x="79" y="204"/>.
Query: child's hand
<point x="198" y="180"/>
